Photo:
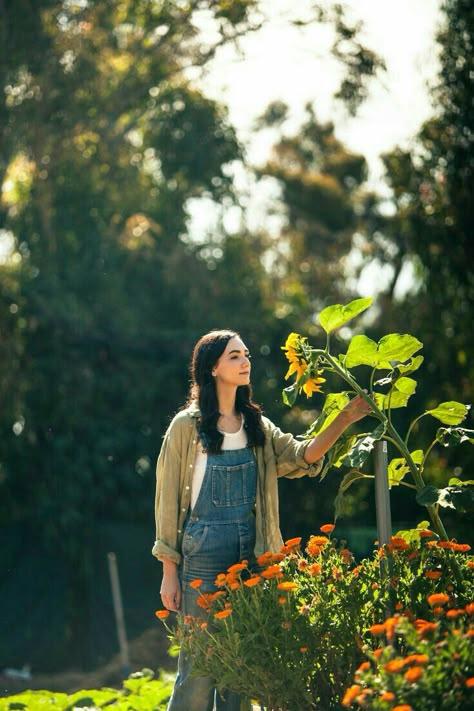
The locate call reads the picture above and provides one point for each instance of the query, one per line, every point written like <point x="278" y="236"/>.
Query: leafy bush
<point x="293" y="633"/>
<point x="387" y="385"/>
<point x="140" y="692"/>
<point x="423" y="664"/>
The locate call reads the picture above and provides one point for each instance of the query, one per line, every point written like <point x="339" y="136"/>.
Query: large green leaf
<point x="392" y="399"/>
<point x="397" y="469"/>
<point x="397" y="348"/>
<point x="452" y="436"/>
<point x="337" y="453"/>
<point x="334" y="403"/>
<point x="362" y="351"/>
<point x="333" y="317"/>
<point x="290" y="394"/>
<point x="450" y="413"/>
<point x="410" y="367"/>
<point x="407" y="386"/>
<point x="460" y="498"/>
<point x="361" y="450"/>
<point x="348" y="480"/>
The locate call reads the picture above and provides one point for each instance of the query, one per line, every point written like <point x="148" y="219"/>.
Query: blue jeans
<point x="219" y="532"/>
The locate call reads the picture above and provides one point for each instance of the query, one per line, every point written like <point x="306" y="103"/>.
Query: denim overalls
<point x="219" y="531"/>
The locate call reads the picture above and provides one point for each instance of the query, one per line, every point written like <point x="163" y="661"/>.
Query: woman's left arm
<point x="355" y="410"/>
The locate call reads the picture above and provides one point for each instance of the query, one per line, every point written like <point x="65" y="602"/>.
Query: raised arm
<point x="355" y="410"/>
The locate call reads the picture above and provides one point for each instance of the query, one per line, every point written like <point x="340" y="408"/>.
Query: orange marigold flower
<point x="398" y="606"/>
<point x="351" y="694"/>
<point x="346" y="555"/>
<point x="413" y="674"/>
<point x="461" y="547"/>
<point x="394" y="665"/>
<point x="417" y="659"/>
<point x="470" y="564"/>
<point x="437" y="599"/>
<point x="254" y="580"/>
<point x="413" y="555"/>
<point x="387" y="696"/>
<point x="378" y="652"/>
<point x="452" y="614"/>
<point x="470" y="633"/>
<point x="470" y="608"/>
<point x="319" y="540"/>
<point x="365" y="666"/>
<point x="282" y="600"/>
<point x="277" y="557"/>
<point x="234" y="585"/>
<point x="293" y="542"/>
<point x="432" y="574"/>
<point x="426" y="533"/>
<point x="399" y="543"/>
<point x="237" y="567"/>
<point x="390" y="626"/>
<point x="469" y="682"/>
<point x="356" y="571"/>
<point x="402" y="707"/>
<point x="425" y="628"/>
<point x="303" y="649"/>
<point x="446" y="544"/>
<point x="273" y="571"/>
<point x="316" y="544"/>
<point x="377" y="630"/>
<point x="264" y="558"/>
<point x="302" y="564"/>
<point x="195" y="583"/>
<point x="220" y="581"/>
<point x="216" y="595"/>
<point x="287" y="585"/>
<point x="204" y="600"/>
<point x="223" y="613"/>
<point x="328" y="528"/>
<point x="162" y="614"/>
<point x="438" y="610"/>
<point x="203" y="625"/>
<point x="315" y="569"/>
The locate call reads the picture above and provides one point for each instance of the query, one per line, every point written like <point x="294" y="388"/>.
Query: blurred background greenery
<point x="105" y="141"/>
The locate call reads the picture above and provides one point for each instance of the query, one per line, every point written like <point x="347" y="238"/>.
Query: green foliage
<point x="420" y="666"/>
<point x="292" y="634"/>
<point x="140" y="692"/>
<point x="395" y="354"/>
<point x="333" y="317"/>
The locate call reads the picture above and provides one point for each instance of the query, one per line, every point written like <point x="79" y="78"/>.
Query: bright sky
<point x="285" y="62"/>
<point x="293" y="64"/>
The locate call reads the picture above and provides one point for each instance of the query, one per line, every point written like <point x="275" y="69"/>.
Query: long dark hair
<point x="207" y="352"/>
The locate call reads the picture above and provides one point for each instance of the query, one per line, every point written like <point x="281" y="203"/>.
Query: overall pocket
<point x="193" y="539"/>
<point x="233" y="485"/>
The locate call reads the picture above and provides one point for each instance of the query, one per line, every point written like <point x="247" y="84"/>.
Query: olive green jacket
<point x="281" y="455"/>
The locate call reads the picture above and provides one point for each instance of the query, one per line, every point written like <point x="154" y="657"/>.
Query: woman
<point x="216" y="496"/>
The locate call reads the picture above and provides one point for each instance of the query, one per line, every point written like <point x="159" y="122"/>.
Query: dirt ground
<point x="149" y="650"/>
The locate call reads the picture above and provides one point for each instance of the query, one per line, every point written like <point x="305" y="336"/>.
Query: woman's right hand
<point x="170" y="587"/>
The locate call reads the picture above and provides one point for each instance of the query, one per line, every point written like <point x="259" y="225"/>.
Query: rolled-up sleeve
<point x="167" y="497"/>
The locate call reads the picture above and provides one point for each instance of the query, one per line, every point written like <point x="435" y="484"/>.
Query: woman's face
<point x="233" y="367"/>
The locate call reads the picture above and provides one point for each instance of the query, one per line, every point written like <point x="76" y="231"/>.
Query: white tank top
<point x="232" y="440"/>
